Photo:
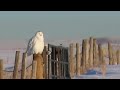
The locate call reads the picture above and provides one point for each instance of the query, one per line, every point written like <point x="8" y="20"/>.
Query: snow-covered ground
<point x="113" y="72"/>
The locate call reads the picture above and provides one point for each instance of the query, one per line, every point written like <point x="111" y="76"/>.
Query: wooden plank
<point x="54" y="66"/>
<point x="83" y="58"/>
<point x="95" y="53"/>
<point x="49" y="63"/>
<point x="100" y="53"/>
<point x="91" y="52"/>
<point x="38" y="57"/>
<point x="110" y="53"/>
<point x="45" y="60"/>
<point x="15" y="72"/>
<point x="34" y="69"/>
<point x="86" y="48"/>
<point x="102" y="60"/>
<point x="118" y="56"/>
<point x="114" y="62"/>
<point x="23" y="73"/>
<point x="71" y="61"/>
<point x="1" y="69"/>
<point x="59" y="64"/>
<point x="78" y="59"/>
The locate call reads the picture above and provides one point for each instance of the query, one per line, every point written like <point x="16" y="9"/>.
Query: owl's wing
<point x="30" y="46"/>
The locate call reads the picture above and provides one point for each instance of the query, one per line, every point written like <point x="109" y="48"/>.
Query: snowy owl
<point x="36" y="44"/>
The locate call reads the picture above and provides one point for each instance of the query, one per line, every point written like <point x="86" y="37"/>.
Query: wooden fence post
<point x="100" y="53"/>
<point x="102" y="60"/>
<point x="15" y="72"/>
<point x="95" y="53"/>
<point x="91" y="52"/>
<point x="86" y="48"/>
<point x="118" y="56"/>
<point x="110" y="53"/>
<point x="23" y="73"/>
<point x="114" y="58"/>
<point x="1" y="69"/>
<point x="83" y="57"/>
<point x="59" y="64"/>
<point x="78" y="59"/>
<point x="38" y="57"/>
<point x="49" y="63"/>
<point x="71" y="63"/>
<point x="45" y="61"/>
<point x="34" y="69"/>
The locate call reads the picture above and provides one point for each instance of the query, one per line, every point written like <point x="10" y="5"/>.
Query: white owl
<point x="35" y="44"/>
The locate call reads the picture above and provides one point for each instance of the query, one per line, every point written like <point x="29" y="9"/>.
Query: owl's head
<point x="39" y="34"/>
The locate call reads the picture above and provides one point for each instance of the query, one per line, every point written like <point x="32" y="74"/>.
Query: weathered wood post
<point x="102" y="60"/>
<point x="45" y="61"/>
<point x="71" y="61"/>
<point x="114" y="58"/>
<point x="95" y="53"/>
<point x="78" y="59"/>
<point x="83" y="57"/>
<point x="38" y="57"/>
<point x="34" y="69"/>
<point x="49" y="62"/>
<point x="91" y="52"/>
<point x="110" y="53"/>
<point x="59" y="64"/>
<point x="118" y="56"/>
<point x="104" y="67"/>
<point x="63" y="58"/>
<point x="86" y="48"/>
<point x="1" y="69"/>
<point x="23" y="73"/>
<point x="100" y="53"/>
<point x="15" y="72"/>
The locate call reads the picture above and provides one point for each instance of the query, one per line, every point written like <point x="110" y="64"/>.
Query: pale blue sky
<point x="21" y="25"/>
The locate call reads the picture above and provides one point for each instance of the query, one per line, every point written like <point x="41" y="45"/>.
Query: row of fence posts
<point x="38" y="69"/>
<point x="114" y="56"/>
<point x="91" y="55"/>
<point x="88" y="56"/>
